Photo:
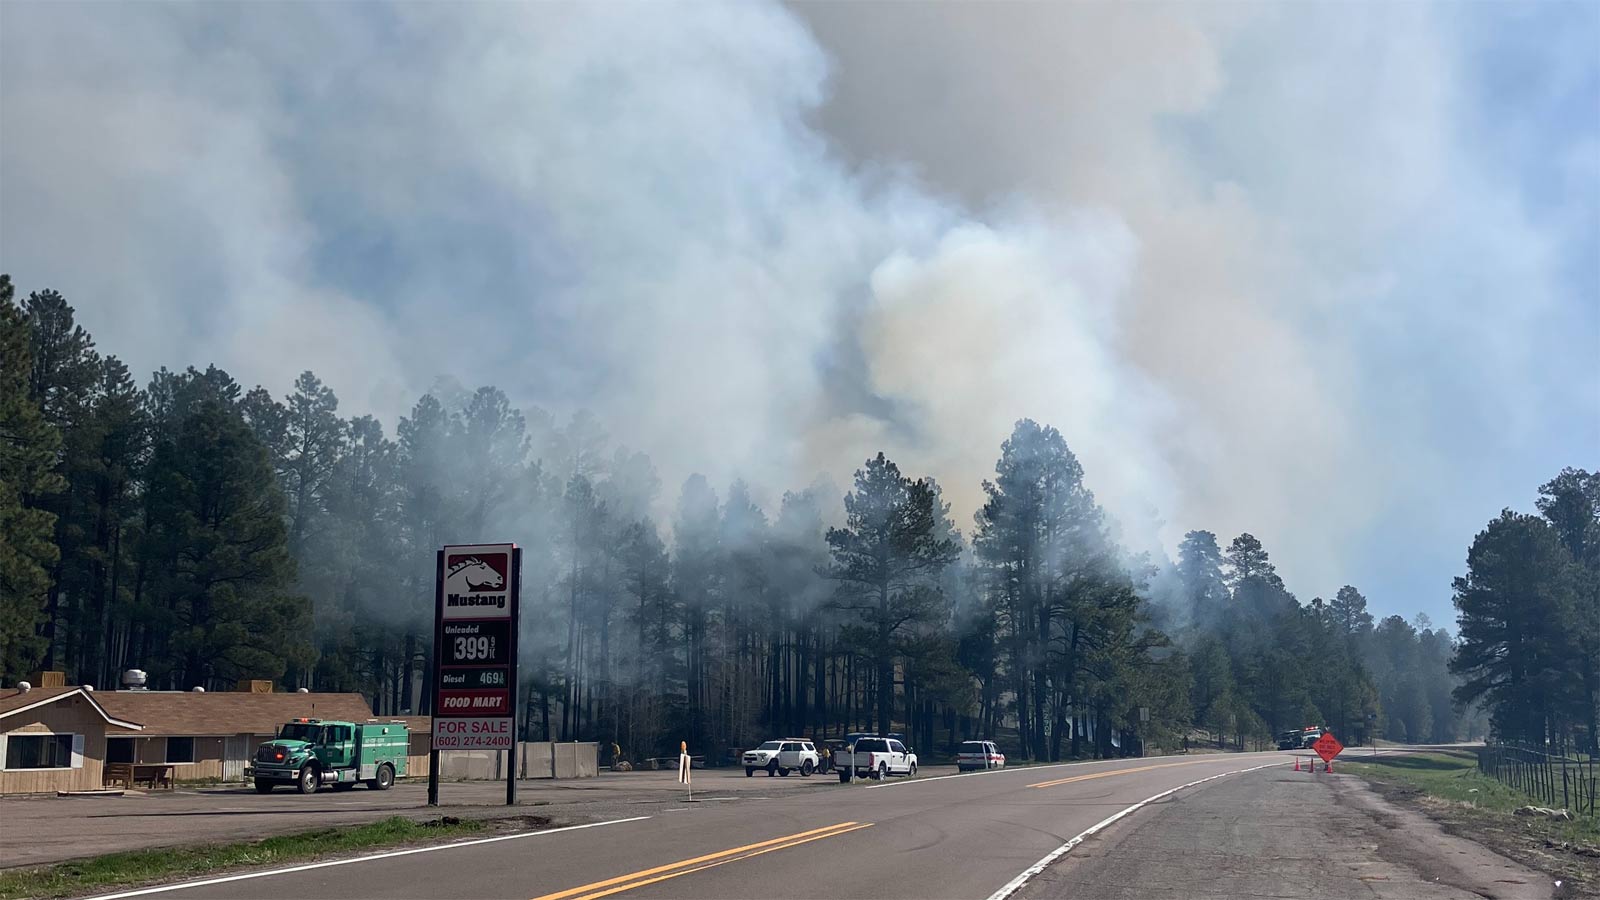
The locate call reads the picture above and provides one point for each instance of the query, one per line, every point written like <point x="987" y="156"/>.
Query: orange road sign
<point x="1327" y="747"/>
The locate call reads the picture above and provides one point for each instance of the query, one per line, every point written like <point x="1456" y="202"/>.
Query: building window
<point x="180" y="749"/>
<point x="119" y="750"/>
<point x="38" y="751"/>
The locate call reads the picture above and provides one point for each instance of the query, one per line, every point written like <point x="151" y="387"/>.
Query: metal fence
<point x="1555" y="779"/>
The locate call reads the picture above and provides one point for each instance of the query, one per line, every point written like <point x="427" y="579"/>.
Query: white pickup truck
<point x="875" y="758"/>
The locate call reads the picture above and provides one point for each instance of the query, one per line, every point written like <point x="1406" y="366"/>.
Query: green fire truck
<point x="309" y="753"/>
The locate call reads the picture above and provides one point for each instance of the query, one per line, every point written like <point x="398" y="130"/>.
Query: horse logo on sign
<point x="483" y="572"/>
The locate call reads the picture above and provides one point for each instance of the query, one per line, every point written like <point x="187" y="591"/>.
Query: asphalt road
<point x="965" y="836"/>
<point x="41" y="830"/>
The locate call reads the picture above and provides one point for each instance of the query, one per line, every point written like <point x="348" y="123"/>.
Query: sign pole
<point x="438" y="623"/>
<point x="685" y="764"/>
<point x="516" y="619"/>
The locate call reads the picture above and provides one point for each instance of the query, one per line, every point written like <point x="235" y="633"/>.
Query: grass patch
<point x="144" y="866"/>
<point x="1453" y="776"/>
<point x="1448" y="787"/>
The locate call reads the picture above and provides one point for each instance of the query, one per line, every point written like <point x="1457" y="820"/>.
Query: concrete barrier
<point x="535" y="759"/>
<point x="471" y="765"/>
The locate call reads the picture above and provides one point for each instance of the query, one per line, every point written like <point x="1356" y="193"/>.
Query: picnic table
<point x="158" y="776"/>
<point x="671" y="762"/>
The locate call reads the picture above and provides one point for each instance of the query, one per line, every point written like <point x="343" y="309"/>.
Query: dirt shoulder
<point x="1447" y="788"/>
<point x="1278" y="833"/>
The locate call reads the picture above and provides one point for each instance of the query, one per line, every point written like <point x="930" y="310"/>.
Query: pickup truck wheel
<point x="385" y="779"/>
<point x="806" y="769"/>
<point x="772" y="769"/>
<point x="263" y="786"/>
<point x="844" y="776"/>
<point x="749" y="771"/>
<point x="784" y="772"/>
<point x="881" y="773"/>
<point x="308" y="780"/>
<point x="913" y="770"/>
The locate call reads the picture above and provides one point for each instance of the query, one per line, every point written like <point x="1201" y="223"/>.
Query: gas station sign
<point x="475" y="647"/>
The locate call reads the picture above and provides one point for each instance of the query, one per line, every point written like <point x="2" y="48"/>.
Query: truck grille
<point x="266" y="754"/>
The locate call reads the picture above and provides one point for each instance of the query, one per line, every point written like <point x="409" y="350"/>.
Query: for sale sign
<point x="475" y="647"/>
<point x="478" y="733"/>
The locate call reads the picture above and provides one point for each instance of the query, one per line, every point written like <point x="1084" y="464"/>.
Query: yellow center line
<point x="1045" y="784"/>
<point x="721" y="862"/>
<point x="786" y="841"/>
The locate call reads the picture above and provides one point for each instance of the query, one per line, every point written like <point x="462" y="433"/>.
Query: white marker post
<point x="684" y="765"/>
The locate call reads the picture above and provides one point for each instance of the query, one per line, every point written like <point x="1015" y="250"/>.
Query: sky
<point x="1329" y="274"/>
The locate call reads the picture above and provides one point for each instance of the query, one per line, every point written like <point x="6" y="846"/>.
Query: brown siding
<point x="73" y="715"/>
<point x="207" y="763"/>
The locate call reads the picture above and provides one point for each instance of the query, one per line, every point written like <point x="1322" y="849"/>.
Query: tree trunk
<point x="885" y="662"/>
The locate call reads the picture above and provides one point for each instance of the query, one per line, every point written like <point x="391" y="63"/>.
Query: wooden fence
<point x="1555" y="779"/>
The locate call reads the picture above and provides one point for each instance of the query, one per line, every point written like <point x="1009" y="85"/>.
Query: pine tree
<point x="1247" y="559"/>
<point x="116" y="437"/>
<point x="216" y="554"/>
<point x="1514" y="653"/>
<point x="1571" y="503"/>
<point x="697" y="580"/>
<point x="1200" y="569"/>
<point x="887" y="558"/>
<point x="315" y="440"/>
<point x="28" y="448"/>
<point x="65" y="370"/>
<point x="1348" y="611"/>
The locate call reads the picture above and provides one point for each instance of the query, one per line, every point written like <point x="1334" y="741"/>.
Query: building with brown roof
<point x="210" y="736"/>
<point x="53" y="739"/>
<point x="63" y="738"/>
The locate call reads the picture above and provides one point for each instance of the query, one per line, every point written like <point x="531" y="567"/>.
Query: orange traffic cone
<point x="1328" y="766"/>
<point x="1297" y="762"/>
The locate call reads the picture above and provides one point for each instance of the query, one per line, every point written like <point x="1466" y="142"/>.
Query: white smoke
<point x="715" y="232"/>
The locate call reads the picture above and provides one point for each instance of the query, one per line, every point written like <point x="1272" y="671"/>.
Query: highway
<point x="977" y="835"/>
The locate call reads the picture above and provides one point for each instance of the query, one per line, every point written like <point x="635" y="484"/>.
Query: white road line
<point x="1028" y="873"/>
<point x="359" y="859"/>
<point x="1085" y="762"/>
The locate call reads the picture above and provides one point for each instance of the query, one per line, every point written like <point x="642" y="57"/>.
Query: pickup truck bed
<point x="874" y="758"/>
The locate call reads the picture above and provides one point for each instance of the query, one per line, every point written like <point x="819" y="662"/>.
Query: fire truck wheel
<point x="309" y="781"/>
<point x="385" y="779"/>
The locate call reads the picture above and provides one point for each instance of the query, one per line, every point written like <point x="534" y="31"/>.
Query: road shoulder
<point x="1446" y="787"/>
<point x="1279" y="833"/>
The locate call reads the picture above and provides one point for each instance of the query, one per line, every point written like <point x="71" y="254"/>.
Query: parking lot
<point x="40" y="830"/>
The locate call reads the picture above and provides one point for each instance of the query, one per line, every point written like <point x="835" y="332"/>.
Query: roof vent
<point x="303" y="691"/>
<point x="198" y="689"/>
<point x="23" y="687"/>
<point x="89" y="688"/>
<point x="133" y="680"/>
